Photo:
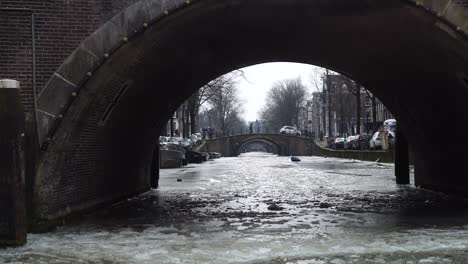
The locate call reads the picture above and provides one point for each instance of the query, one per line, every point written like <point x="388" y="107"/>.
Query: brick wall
<point x="16" y="51"/>
<point x="61" y="25"/>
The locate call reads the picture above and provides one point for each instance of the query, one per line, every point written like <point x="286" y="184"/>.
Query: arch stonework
<point x="62" y="87"/>
<point x="267" y="146"/>
<point x="100" y="113"/>
<point x="282" y="145"/>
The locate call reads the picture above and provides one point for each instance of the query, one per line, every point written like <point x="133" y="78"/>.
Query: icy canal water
<point x="260" y="208"/>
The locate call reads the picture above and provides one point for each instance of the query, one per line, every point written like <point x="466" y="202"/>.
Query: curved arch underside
<point x="103" y="128"/>
<point x="258" y="145"/>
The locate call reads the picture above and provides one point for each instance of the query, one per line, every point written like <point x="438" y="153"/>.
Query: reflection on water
<point x="324" y="211"/>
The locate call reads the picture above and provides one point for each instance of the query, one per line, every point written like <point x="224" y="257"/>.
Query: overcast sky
<point x="260" y="78"/>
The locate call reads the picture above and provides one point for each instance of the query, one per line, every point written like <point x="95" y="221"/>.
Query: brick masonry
<point x="61" y="25"/>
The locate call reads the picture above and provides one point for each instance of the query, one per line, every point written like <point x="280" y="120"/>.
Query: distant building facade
<point x="333" y="112"/>
<point x="179" y="123"/>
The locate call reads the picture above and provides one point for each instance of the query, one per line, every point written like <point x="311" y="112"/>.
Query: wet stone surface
<point x="259" y="208"/>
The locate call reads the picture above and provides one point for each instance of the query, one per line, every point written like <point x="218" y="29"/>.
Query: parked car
<point x="376" y="141"/>
<point x="350" y="142"/>
<point x="195" y="139"/>
<point x="199" y="135"/>
<point x="338" y="143"/>
<point x="390" y="124"/>
<point x="289" y="130"/>
<point x="356" y="145"/>
<point x="363" y="142"/>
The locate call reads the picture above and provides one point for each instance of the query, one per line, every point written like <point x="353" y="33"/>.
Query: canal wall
<point x="375" y="155"/>
<point x="295" y="146"/>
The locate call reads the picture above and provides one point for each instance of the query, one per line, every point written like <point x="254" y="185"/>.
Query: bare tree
<point x="340" y="95"/>
<point x="374" y="109"/>
<point x="340" y="102"/>
<point x="204" y="94"/>
<point x="225" y="105"/>
<point x="317" y="79"/>
<point x="329" y="88"/>
<point x="283" y="103"/>
<point x="354" y="89"/>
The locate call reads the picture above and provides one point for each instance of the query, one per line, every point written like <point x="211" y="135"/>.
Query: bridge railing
<point x="246" y="131"/>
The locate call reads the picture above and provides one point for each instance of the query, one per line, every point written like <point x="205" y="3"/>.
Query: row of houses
<point x="333" y="111"/>
<point x="179" y="124"/>
<point x="330" y="112"/>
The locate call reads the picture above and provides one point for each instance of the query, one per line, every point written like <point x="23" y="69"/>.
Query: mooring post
<point x="13" y="224"/>
<point x="402" y="172"/>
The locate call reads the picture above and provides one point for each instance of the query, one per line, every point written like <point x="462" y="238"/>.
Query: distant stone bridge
<point x="282" y="145"/>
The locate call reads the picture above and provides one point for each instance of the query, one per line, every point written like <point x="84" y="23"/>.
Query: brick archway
<point x="100" y="113"/>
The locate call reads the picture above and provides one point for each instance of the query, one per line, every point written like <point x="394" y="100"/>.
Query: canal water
<point x="261" y="208"/>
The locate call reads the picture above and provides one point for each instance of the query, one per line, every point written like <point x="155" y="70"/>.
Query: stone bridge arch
<point x="100" y="113"/>
<point x="282" y="145"/>
<point x="267" y="146"/>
